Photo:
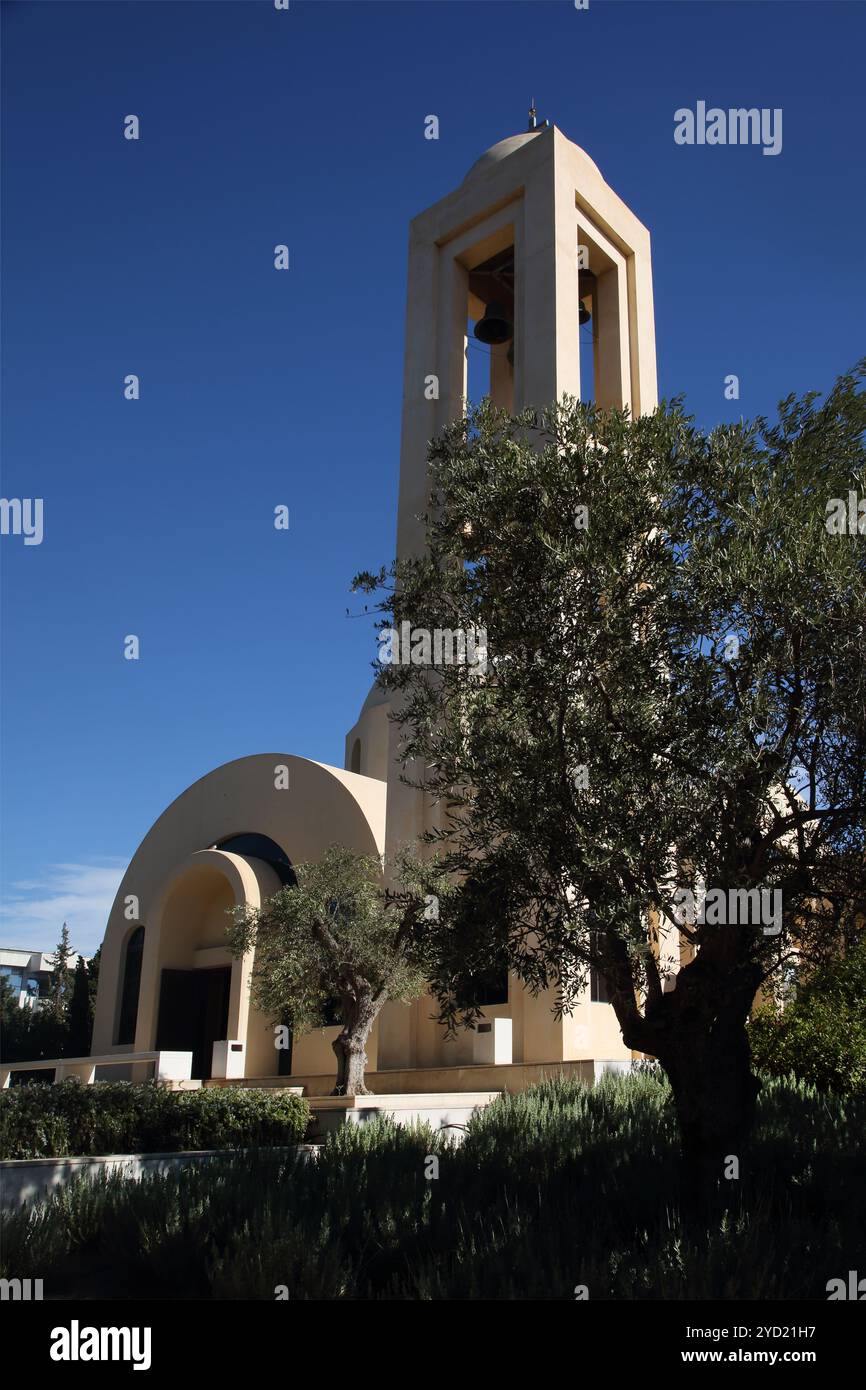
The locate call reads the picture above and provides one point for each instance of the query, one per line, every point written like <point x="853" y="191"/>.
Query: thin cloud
<point x="78" y="894"/>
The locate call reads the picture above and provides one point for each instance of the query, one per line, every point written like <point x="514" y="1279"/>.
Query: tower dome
<point x="503" y="148"/>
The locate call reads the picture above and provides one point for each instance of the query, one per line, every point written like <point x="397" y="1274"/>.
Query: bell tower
<point x="532" y="244"/>
<point x="539" y="253"/>
<point x="535" y="248"/>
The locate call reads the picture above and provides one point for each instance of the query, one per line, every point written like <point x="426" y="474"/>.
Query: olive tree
<point x="666" y="742"/>
<point x="336" y="939"/>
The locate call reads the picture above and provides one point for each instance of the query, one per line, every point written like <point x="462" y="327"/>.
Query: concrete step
<point x="258" y="1083"/>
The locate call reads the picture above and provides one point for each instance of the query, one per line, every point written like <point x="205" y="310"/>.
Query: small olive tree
<point x="338" y="937"/>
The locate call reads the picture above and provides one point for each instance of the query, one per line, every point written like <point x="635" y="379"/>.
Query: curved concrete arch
<point x="302" y="805"/>
<point x="186" y="927"/>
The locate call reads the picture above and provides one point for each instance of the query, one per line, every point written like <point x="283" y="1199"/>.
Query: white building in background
<point x="28" y="973"/>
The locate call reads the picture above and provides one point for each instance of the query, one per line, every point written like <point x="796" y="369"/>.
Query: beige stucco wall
<point x="410" y="1036"/>
<point x="313" y="1053"/>
<point x="450" y="1079"/>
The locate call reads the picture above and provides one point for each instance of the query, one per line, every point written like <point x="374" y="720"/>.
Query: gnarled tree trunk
<point x="708" y="1063"/>
<point x="697" y="1031"/>
<point x="350" y="1045"/>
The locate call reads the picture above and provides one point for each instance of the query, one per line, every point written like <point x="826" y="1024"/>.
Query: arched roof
<point x="319" y="807"/>
<point x="503" y="148"/>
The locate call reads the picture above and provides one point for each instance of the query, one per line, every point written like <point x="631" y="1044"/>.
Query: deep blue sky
<point x="258" y="388"/>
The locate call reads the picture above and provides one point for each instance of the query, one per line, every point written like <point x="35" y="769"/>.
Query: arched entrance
<point x="201" y="992"/>
<point x="195" y="966"/>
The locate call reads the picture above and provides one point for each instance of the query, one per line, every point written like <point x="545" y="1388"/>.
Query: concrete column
<point x="420" y="412"/>
<point x="613" y="375"/>
<point x="451" y="339"/>
<point x="501" y="378"/>
<point x="238" y="1022"/>
<point x="547" y="285"/>
<point x="641" y="324"/>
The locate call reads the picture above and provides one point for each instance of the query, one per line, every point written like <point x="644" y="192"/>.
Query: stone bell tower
<point x="538" y="252"/>
<point x="534" y="229"/>
<point x="535" y="235"/>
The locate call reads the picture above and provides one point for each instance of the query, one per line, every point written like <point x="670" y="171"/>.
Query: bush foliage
<point x="820" y="1036"/>
<point x="559" y="1187"/>
<point x="39" y="1121"/>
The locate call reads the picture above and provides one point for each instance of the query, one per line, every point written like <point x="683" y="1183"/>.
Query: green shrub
<point x="821" y="1035"/>
<point x="560" y="1186"/>
<point x="39" y="1121"/>
<point x="310" y="1269"/>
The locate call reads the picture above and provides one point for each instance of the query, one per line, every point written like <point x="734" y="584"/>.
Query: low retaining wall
<point x="26" y="1180"/>
<point x="502" y="1076"/>
<point x="449" y="1111"/>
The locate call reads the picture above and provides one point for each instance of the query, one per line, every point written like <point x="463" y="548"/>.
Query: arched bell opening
<point x="602" y="324"/>
<point x="491" y="328"/>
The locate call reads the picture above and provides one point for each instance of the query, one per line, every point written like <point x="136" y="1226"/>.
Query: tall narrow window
<point x="491" y="988"/>
<point x="356" y="756"/>
<point x="131" y="983"/>
<point x="599" y="990"/>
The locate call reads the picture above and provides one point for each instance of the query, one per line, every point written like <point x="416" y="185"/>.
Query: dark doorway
<point x="284" y="1054"/>
<point x="194" y="1014"/>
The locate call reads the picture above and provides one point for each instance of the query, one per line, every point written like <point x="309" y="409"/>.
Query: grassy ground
<point x="557" y="1188"/>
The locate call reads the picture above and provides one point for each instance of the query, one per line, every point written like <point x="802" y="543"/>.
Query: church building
<point x="553" y="269"/>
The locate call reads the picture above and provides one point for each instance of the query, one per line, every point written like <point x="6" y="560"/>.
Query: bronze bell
<point x="495" y="327"/>
<point x="584" y="315"/>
